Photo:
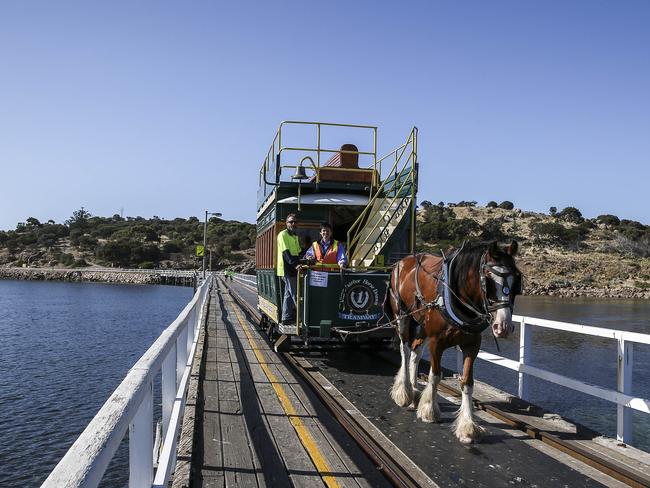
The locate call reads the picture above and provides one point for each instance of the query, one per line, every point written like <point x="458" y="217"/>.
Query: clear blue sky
<point x="168" y="108"/>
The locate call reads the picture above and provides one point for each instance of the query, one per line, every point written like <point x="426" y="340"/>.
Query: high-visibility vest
<point x="330" y="255"/>
<point x="286" y="241"/>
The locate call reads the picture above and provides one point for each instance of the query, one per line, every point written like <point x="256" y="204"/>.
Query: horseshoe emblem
<point x="359" y="299"/>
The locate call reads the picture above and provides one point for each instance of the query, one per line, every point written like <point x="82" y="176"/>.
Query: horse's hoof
<point x="466" y="440"/>
<point x="429" y="414"/>
<point x="401" y="398"/>
<point x="415" y="400"/>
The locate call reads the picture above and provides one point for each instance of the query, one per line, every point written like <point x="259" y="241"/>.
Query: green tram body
<point x="371" y="211"/>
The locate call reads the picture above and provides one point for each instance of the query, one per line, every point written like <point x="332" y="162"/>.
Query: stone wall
<point x="90" y="275"/>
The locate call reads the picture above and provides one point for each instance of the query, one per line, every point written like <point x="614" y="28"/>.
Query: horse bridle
<point x="487" y="269"/>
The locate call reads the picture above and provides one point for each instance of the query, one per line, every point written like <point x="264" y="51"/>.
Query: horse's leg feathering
<point x="428" y="409"/>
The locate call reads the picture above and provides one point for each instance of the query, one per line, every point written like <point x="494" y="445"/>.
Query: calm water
<point x="64" y="348"/>
<point x="590" y="359"/>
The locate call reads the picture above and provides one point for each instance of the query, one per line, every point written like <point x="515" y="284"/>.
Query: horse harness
<point x="443" y="302"/>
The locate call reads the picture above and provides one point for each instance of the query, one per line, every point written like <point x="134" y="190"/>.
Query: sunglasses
<point x="292" y="221"/>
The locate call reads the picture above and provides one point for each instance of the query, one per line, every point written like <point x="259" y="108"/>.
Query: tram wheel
<point x="264" y="323"/>
<point x="271" y="332"/>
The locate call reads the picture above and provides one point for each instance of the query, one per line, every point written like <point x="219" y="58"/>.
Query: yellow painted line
<point x="303" y="433"/>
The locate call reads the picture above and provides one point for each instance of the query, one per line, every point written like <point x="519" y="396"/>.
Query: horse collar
<point x="444" y="301"/>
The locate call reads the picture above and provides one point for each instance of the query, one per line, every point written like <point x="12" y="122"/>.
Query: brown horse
<point x="442" y="303"/>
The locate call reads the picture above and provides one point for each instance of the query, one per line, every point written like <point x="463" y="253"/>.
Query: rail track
<point x="395" y="471"/>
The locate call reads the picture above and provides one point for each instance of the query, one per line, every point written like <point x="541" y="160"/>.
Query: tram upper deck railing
<point x="312" y="149"/>
<point x="131" y="407"/>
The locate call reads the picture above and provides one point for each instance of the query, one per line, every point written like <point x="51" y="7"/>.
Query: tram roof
<point x="328" y="199"/>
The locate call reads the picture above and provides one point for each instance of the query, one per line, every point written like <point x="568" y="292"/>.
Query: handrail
<point x="391" y="202"/>
<point x="622" y="396"/>
<point x="131" y="407"/>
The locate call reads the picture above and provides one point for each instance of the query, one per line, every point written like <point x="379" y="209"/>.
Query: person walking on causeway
<point x="287" y="260"/>
<point x="327" y="252"/>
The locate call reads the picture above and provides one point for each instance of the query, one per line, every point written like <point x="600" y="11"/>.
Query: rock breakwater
<point x="94" y="275"/>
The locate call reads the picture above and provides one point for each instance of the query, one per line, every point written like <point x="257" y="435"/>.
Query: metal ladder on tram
<point x="385" y="217"/>
<point x="392" y="201"/>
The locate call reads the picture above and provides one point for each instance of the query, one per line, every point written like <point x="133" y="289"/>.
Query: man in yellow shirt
<point x="287" y="259"/>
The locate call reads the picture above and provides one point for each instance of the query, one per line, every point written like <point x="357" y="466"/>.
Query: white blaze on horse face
<point x="502" y="325"/>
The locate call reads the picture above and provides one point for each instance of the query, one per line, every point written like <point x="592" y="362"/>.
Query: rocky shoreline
<point x="587" y="291"/>
<point x="93" y="275"/>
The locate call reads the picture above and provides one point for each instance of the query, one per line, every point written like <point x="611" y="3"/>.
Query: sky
<point x="168" y="108"/>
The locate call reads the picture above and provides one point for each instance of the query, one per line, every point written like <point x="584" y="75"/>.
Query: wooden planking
<point x="332" y="440"/>
<point x="233" y="433"/>
<point x="298" y="464"/>
<point x="210" y="473"/>
<point x="249" y="438"/>
<point x="339" y="464"/>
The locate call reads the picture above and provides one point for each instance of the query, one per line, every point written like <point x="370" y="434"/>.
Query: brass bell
<point x="300" y="173"/>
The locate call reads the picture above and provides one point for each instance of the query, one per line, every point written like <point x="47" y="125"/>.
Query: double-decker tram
<point x="324" y="172"/>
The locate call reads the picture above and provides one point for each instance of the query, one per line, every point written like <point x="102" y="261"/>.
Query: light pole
<point x="205" y="234"/>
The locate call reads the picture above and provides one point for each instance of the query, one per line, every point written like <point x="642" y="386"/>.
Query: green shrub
<point x="571" y="214"/>
<point x="608" y="220"/>
<point x="507" y="205"/>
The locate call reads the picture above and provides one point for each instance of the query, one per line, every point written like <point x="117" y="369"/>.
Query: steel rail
<point x="384" y="462"/>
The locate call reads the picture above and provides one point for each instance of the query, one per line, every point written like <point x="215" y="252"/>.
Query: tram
<point x="326" y="172"/>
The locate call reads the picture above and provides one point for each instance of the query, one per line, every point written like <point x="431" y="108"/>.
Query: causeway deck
<point x="257" y="425"/>
<point x="252" y="422"/>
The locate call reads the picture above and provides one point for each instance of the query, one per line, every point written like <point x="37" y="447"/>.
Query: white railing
<point x="246" y="278"/>
<point x="131" y="406"/>
<point x="621" y="396"/>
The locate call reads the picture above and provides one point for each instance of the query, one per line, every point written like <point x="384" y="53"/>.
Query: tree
<point x="552" y="211"/>
<point x="491" y="204"/>
<point x="33" y="222"/>
<point x="571" y="214"/>
<point x="79" y="219"/>
<point x="507" y="205"/>
<point x="608" y="220"/>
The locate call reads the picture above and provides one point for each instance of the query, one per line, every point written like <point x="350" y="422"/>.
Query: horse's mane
<point x="469" y="257"/>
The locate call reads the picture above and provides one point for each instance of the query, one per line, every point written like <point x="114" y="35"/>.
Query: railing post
<point x="181" y="351"/>
<point x="525" y="340"/>
<point x="168" y="388"/>
<point x="624" y="385"/>
<point x="191" y="324"/>
<point x="141" y="443"/>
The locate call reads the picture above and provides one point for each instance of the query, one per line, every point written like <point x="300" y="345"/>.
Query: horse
<point x="444" y="302"/>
